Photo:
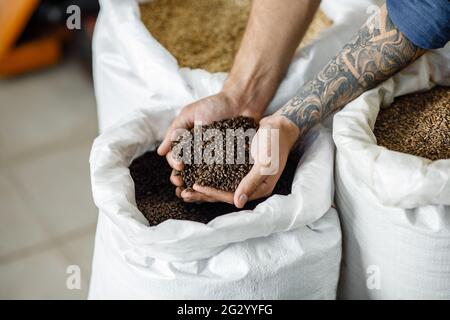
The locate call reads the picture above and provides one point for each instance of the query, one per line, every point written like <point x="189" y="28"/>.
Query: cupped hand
<point x="213" y="108"/>
<point x="270" y="149"/>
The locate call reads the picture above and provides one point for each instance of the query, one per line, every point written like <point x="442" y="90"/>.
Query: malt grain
<point x="156" y="199"/>
<point x="206" y="34"/>
<point x="418" y="124"/>
<point x="220" y="175"/>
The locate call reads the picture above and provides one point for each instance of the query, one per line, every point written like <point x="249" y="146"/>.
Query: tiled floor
<point x="47" y="216"/>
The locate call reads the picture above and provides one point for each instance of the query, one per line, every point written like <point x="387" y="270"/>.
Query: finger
<point x="260" y="147"/>
<point x="251" y="182"/>
<point x="215" y="194"/>
<point x="178" y="191"/>
<point x="187" y="198"/>
<point x="173" y="162"/>
<point x="176" y="179"/>
<point x="265" y="189"/>
<point x="194" y="196"/>
<point x="268" y="184"/>
<point x="166" y="144"/>
<point x="182" y="121"/>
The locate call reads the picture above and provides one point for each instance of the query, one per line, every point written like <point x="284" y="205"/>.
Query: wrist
<point x="251" y="92"/>
<point x="288" y="131"/>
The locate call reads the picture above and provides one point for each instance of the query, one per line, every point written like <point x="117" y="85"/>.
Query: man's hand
<point x="274" y="31"/>
<point x="270" y="149"/>
<point x="378" y="51"/>
<point x="217" y="107"/>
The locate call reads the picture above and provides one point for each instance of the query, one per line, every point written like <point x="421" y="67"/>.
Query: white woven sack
<point x="133" y="71"/>
<point x="287" y="247"/>
<point x="394" y="207"/>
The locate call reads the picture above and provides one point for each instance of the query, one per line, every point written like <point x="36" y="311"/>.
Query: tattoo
<point x="377" y="52"/>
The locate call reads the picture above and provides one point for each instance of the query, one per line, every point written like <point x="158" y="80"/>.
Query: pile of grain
<point x="418" y="124"/>
<point x="224" y="176"/>
<point x="156" y="199"/>
<point x="199" y="34"/>
<point x="206" y="34"/>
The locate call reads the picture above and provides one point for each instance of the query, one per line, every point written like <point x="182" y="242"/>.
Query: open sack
<point x="394" y="207"/>
<point x="133" y="71"/>
<point x="288" y="247"/>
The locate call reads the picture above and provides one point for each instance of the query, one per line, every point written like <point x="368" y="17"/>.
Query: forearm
<point x="377" y="52"/>
<point x="274" y="30"/>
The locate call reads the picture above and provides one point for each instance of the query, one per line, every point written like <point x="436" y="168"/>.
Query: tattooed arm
<point x="377" y="52"/>
<point x="273" y="32"/>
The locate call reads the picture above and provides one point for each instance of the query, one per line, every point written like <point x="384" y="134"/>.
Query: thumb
<point x="180" y="122"/>
<point x="248" y="186"/>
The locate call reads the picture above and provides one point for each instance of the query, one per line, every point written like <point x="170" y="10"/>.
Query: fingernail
<point x="243" y="199"/>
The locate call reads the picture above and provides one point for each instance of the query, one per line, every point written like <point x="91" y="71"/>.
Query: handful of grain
<point x="231" y="167"/>
<point x="418" y="124"/>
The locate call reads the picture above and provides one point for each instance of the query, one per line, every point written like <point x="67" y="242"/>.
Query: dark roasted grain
<point x="222" y="176"/>
<point x="156" y="199"/>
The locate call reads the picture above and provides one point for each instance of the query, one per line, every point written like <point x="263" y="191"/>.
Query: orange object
<point x="31" y="56"/>
<point x="14" y="16"/>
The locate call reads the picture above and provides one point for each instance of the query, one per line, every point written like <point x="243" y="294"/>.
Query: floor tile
<point x="19" y="227"/>
<point x="58" y="185"/>
<point x="45" y="108"/>
<point x="79" y="252"/>
<point x="40" y="276"/>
